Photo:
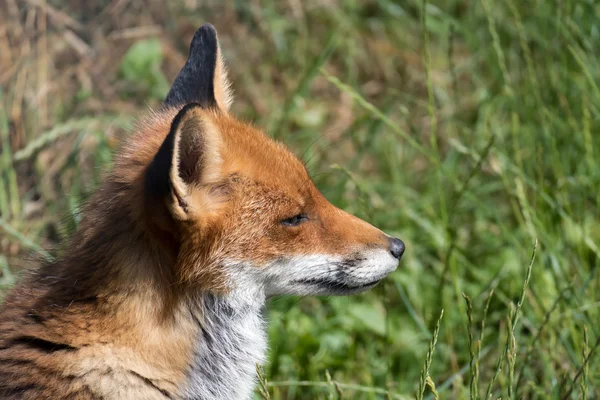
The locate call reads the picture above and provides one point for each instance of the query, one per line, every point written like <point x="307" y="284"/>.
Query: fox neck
<point x="232" y="341"/>
<point x="230" y="336"/>
<point x="226" y="332"/>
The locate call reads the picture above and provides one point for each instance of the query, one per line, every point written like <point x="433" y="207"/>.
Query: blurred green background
<point x="467" y="128"/>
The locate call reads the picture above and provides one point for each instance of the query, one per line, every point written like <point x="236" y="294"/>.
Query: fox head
<point x="242" y="208"/>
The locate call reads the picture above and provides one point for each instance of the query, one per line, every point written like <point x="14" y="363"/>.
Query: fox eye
<point x="295" y="220"/>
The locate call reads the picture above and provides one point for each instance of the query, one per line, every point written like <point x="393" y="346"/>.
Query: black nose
<point x="396" y="247"/>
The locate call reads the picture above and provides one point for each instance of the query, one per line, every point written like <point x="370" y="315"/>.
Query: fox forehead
<point x="250" y="153"/>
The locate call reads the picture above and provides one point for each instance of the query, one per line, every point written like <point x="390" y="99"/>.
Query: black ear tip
<point x="205" y="36"/>
<point x="194" y="83"/>
<point x="208" y="27"/>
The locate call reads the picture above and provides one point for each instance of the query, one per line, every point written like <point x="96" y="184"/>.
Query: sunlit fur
<point x="161" y="295"/>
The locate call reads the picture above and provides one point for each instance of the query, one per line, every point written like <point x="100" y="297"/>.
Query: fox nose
<point x="396" y="247"/>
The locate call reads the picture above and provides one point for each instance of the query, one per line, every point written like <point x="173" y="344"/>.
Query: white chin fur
<point x="320" y="274"/>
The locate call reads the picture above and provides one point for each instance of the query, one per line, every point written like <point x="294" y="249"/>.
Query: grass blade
<point x="425" y="374"/>
<point x="472" y="387"/>
<point x="513" y="322"/>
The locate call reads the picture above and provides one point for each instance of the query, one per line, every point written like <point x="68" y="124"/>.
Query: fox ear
<point x="203" y="78"/>
<point x="188" y="158"/>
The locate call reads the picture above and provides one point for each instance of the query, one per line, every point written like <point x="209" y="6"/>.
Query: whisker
<point x="318" y="152"/>
<point x="327" y="132"/>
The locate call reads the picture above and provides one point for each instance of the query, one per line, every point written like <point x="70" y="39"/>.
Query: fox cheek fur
<point x="161" y="292"/>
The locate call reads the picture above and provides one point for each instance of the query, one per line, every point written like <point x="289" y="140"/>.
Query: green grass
<point x="468" y="129"/>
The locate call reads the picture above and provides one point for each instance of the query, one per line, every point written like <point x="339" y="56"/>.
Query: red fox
<point x="160" y="293"/>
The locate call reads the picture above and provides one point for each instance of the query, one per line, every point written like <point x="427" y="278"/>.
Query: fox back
<point x="161" y="291"/>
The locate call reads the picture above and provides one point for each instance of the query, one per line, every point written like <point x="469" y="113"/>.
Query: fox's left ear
<point x="187" y="162"/>
<point x="203" y="78"/>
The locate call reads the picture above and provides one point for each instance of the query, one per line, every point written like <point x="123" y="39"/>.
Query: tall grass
<point x="468" y="129"/>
